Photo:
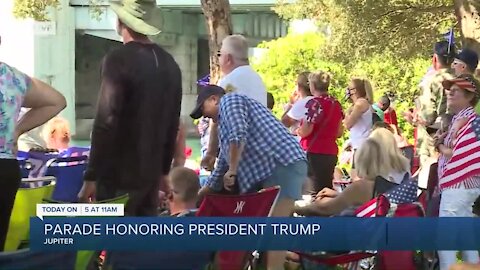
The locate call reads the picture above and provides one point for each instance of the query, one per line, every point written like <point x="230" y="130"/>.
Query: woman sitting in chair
<point x="329" y="202"/>
<point x="393" y="157"/>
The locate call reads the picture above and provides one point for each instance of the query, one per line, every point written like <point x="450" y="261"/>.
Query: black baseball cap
<point x="469" y="57"/>
<point x="203" y="94"/>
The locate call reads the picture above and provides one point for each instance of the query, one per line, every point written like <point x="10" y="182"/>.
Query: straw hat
<point x="139" y="15"/>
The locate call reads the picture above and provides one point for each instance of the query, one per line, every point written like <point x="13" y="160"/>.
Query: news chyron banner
<point x="104" y="227"/>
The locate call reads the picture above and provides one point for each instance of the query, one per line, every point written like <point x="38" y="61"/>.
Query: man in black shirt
<point x="137" y="119"/>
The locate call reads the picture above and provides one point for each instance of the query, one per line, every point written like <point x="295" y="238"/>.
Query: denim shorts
<point x="290" y="178"/>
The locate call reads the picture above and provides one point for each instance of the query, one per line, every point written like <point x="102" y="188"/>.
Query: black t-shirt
<point x="137" y="119"/>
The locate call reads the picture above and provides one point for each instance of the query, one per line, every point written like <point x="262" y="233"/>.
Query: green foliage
<point x="35" y="9"/>
<point x="362" y="28"/>
<point x="38" y="9"/>
<point x="286" y="57"/>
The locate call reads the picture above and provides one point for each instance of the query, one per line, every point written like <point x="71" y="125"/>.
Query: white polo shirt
<point x="244" y="80"/>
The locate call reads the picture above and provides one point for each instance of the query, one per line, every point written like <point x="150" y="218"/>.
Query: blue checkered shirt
<point x="267" y="143"/>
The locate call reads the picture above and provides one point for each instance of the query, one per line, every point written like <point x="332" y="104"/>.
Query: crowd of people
<point x="138" y="137"/>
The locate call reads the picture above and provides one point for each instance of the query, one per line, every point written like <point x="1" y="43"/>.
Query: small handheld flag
<point x="450" y="38"/>
<point x="204" y="81"/>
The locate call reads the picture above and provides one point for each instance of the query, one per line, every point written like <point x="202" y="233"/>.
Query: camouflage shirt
<point x="431" y="104"/>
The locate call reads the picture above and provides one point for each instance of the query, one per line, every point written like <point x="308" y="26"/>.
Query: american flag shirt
<point x="267" y="142"/>
<point x="462" y="169"/>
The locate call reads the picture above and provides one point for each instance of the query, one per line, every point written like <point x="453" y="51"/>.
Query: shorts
<point x="290" y="178"/>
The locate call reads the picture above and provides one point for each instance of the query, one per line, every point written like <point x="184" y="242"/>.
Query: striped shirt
<point x="267" y="143"/>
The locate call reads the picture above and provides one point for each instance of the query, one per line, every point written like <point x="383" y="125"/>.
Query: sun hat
<point x="139" y="15"/>
<point x="466" y="83"/>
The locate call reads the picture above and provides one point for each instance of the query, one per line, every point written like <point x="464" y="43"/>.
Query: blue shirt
<point x="267" y="143"/>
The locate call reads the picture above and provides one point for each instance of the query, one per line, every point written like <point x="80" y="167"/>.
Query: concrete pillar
<point x="42" y="50"/>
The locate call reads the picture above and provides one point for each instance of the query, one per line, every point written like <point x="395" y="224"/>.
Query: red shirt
<point x="390" y="117"/>
<point x="326" y="114"/>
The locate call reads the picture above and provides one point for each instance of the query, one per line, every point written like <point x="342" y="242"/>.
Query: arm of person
<point x="360" y="107"/>
<point x="110" y="104"/>
<point x="234" y="115"/>
<point x="44" y="101"/>
<point x="293" y="115"/>
<point x="305" y="129"/>
<point x="215" y="180"/>
<point x="170" y="144"/>
<point x="340" y="131"/>
<point x="212" y="149"/>
<point x="328" y="206"/>
<point x="287" y="120"/>
<point x="465" y="266"/>
<point x="179" y="158"/>
<point x="447" y="152"/>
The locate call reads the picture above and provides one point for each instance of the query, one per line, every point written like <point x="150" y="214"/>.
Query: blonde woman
<point x="319" y="132"/>
<point x="359" y="118"/>
<point x="329" y="202"/>
<point x="393" y="160"/>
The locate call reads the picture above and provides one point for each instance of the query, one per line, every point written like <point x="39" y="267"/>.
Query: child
<point x="182" y="194"/>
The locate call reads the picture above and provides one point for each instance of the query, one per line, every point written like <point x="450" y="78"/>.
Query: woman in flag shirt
<point x="459" y="163"/>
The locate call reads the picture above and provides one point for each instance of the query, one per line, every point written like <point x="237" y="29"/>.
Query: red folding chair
<point x="386" y="260"/>
<point x="346" y="260"/>
<point x="258" y="204"/>
<point x="397" y="260"/>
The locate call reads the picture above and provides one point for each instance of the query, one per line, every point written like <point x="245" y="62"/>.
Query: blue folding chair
<point x="166" y="260"/>
<point x="69" y="174"/>
<point x="26" y="259"/>
<point x="75" y="151"/>
<point x="22" y="155"/>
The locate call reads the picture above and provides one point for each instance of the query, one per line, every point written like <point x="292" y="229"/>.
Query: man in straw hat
<point x="135" y="128"/>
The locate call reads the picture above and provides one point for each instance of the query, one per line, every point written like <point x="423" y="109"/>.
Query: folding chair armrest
<point x="39" y="179"/>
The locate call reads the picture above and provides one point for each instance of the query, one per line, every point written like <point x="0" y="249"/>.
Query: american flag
<point x="404" y="193"/>
<point x="464" y="164"/>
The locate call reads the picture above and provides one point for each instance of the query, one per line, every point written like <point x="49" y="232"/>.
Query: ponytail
<point x="368" y="91"/>
<point x="364" y="89"/>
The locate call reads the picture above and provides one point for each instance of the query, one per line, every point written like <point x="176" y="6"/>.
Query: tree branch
<point x="420" y="9"/>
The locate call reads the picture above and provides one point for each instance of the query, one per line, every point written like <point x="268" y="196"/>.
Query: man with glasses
<point x="465" y="63"/>
<point x="239" y="77"/>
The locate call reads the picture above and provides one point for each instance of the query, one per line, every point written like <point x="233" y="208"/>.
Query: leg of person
<point x="10" y="182"/>
<point x="143" y="201"/>
<point x="456" y="203"/>
<point x="323" y="167"/>
<point x="290" y="179"/>
<point x="309" y="185"/>
<point x="470" y="256"/>
<point x="330" y="162"/>
<point x="353" y="171"/>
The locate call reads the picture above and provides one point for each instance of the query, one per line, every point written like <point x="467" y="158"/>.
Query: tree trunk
<point x="468" y="16"/>
<point x="219" y="25"/>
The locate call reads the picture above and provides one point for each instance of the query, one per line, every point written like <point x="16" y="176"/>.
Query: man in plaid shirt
<point x="256" y="150"/>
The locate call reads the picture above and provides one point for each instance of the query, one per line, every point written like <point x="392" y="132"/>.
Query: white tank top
<point x="361" y="129"/>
